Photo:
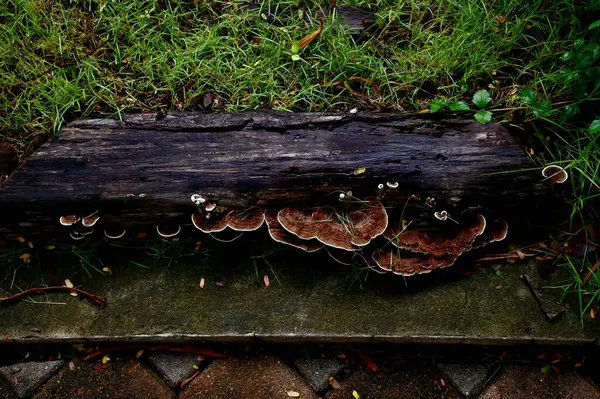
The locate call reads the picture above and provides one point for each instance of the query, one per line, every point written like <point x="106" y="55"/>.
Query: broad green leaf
<point x="296" y="57"/>
<point x="295" y="48"/>
<point x="436" y="105"/>
<point x="578" y="44"/>
<point x="566" y="56"/>
<point x="594" y="127"/>
<point x="543" y="108"/>
<point x="482" y="98"/>
<point x="569" y="112"/>
<point x="528" y="96"/>
<point x="458" y="106"/>
<point x="546" y="368"/>
<point x="594" y="25"/>
<point x="483" y="116"/>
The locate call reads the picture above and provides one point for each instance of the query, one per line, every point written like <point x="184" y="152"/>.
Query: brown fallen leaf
<point x="370" y="363"/>
<point x="306" y="40"/>
<point x="334" y="384"/>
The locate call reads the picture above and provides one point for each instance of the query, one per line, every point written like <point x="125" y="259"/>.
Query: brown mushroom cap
<point x="368" y="222"/>
<point x="213" y="224"/>
<point x="68" y="220"/>
<point x="348" y="232"/>
<point x="246" y="219"/>
<point x="556" y="174"/>
<point x="408" y="265"/>
<point x="89" y="221"/>
<point x="452" y="240"/>
<point x="495" y="231"/>
<point x="283" y="236"/>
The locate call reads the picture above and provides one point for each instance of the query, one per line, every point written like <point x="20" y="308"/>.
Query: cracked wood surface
<point x="144" y="169"/>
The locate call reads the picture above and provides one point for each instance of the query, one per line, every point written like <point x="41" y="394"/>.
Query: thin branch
<point x="99" y="300"/>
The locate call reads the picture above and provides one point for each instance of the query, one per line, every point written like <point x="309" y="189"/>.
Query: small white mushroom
<point x="380" y="186"/>
<point x="198" y="199"/>
<point x="392" y="185"/>
<point x="342" y="196"/>
<point x="443" y="215"/>
<point x="430" y="202"/>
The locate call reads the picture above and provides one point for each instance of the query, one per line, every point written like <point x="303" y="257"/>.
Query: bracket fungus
<point x="89" y="221"/>
<point x="245" y="219"/>
<point x="555" y="174"/>
<point x="68" y="220"/>
<point x="494" y="232"/>
<point x="168" y="230"/>
<point x="407" y="265"/>
<point x="209" y="222"/>
<point x="279" y="234"/>
<point x="348" y="231"/>
<point x="114" y="233"/>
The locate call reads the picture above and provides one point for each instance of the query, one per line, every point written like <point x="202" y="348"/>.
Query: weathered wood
<point x="144" y="170"/>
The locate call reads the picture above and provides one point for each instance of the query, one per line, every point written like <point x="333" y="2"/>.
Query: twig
<point x="187" y="380"/>
<point x="99" y="300"/>
<point x="591" y="273"/>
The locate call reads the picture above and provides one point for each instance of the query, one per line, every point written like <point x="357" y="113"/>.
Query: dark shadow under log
<point x="143" y="170"/>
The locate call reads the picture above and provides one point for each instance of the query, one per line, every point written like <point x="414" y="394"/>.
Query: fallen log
<point x="143" y="170"/>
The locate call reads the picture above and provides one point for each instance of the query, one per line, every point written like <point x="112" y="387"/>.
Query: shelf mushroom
<point x="555" y="174"/>
<point x="281" y="235"/>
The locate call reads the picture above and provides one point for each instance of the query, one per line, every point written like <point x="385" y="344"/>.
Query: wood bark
<point x="144" y="169"/>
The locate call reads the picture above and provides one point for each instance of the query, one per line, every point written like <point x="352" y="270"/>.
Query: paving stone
<point x="174" y="367"/>
<point x="395" y="380"/>
<point x="468" y="378"/>
<point x="118" y="378"/>
<point x="248" y="378"/>
<point x="26" y="377"/>
<point x="524" y="382"/>
<point x="317" y="371"/>
<point x="6" y="390"/>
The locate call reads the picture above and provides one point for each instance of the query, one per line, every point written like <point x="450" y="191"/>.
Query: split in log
<point x="143" y="170"/>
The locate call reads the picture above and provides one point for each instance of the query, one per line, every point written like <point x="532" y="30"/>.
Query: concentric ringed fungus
<point x="69" y="220"/>
<point x="245" y="220"/>
<point x="555" y="174"/>
<point x="168" y="230"/>
<point x="496" y="231"/>
<point x="439" y="243"/>
<point x="407" y="265"/>
<point x="89" y="221"/>
<point x="213" y="224"/>
<point x="281" y="235"/>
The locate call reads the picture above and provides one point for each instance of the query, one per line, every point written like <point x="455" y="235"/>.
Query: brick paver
<point x="248" y="378"/>
<point x="525" y="382"/>
<point x="115" y="379"/>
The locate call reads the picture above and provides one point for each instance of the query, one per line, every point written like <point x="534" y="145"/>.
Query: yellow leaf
<point x="68" y="283"/>
<point x="510" y="261"/>
<point x="20" y="239"/>
<point x="306" y="40"/>
<point x="108" y="270"/>
<point x="356" y="395"/>
<point x="195" y="366"/>
<point x="30" y="244"/>
<point x="50" y="247"/>
<point x="175" y="239"/>
<point x="293" y="394"/>
<point x="531" y="151"/>
<point x="26" y="256"/>
<point x="359" y="171"/>
<point x="404" y="224"/>
<point x="105" y="359"/>
<point x="139" y="354"/>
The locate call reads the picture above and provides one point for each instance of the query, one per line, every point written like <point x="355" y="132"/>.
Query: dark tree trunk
<point x="144" y="169"/>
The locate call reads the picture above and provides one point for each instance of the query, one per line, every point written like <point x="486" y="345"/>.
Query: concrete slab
<point x="166" y="304"/>
<point x="317" y="371"/>
<point x="173" y="367"/>
<point x="467" y="378"/>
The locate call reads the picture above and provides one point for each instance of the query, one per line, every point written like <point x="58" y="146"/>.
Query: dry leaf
<point x="359" y="171"/>
<point x="501" y="19"/>
<point x="202" y="282"/>
<point x="73" y="293"/>
<point x="334" y="384"/>
<point x="72" y="366"/>
<point x="105" y="359"/>
<point x="195" y="366"/>
<point x="30" y="244"/>
<point x="370" y="363"/>
<point x="26" y="256"/>
<point x="50" y="247"/>
<point x="20" y="239"/>
<point x="68" y="283"/>
<point x="356" y="395"/>
<point x="293" y="394"/>
<point x="266" y="280"/>
<point x="139" y="354"/>
<point x="592" y="313"/>
<point x="306" y="40"/>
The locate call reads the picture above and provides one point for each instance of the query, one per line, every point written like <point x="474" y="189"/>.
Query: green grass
<point x="62" y="60"/>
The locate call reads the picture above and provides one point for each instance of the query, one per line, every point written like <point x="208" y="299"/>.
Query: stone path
<point x="165" y="375"/>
